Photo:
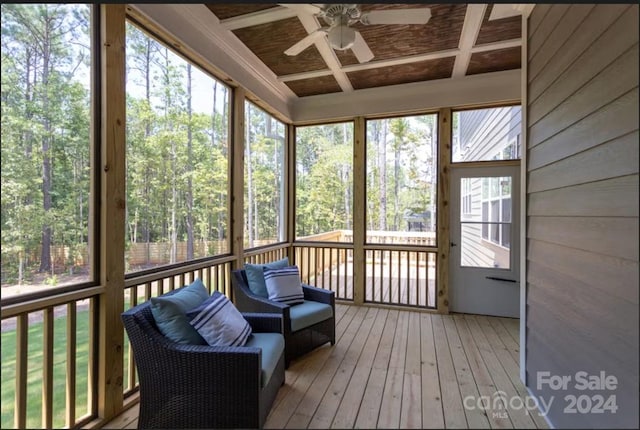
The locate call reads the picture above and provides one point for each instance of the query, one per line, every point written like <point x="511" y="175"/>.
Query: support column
<point x="112" y="208"/>
<point x="359" y="205"/>
<point x="237" y="178"/>
<point x="444" y="159"/>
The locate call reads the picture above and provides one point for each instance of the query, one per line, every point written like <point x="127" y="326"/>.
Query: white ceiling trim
<point x="257" y="18"/>
<point x="197" y="27"/>
<point x="496" y="87"/>
<point x="310" y="23"/>
<point x="470" y="29"/>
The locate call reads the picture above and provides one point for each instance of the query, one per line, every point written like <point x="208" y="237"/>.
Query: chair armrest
<point x="318" y="295"/>
<point x="264" y="323"/>
<point x="262" y="305"/>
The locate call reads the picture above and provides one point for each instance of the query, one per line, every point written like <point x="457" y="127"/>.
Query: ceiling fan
<point x="340" y="17"/>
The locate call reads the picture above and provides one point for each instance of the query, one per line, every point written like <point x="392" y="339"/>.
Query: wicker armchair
<point x="200" y="386"/>
<point x="296" y="342"/>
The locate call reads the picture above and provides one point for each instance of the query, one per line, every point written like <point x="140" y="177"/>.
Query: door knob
<point x="454" y="244"/>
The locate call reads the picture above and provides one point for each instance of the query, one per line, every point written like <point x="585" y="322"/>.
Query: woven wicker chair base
<point x="200" y="386"/>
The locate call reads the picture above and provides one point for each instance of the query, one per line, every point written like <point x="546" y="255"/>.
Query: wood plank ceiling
<point x="458" y="40"/>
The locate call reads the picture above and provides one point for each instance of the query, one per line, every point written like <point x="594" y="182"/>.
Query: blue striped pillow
<point x="219" y="322"/>
<point x="283" y="285"/>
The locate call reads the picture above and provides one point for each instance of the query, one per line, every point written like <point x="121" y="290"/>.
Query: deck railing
<point x="399" y="270"/>
<point x="328" y="266"/>
<point x="49" y="362"/>
<point x="49" y="345"/>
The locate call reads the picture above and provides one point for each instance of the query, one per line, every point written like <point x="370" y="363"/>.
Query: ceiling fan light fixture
<point x="341" y="37"/>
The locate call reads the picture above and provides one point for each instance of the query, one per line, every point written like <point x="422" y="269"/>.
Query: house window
<point x="46" y="140"/>
<point x="324" y="182"/>
<point x="496" y="210"/>
<point x="264" y="179"/>
<point x="177" y="157"/>
<point x="402" y="180"/>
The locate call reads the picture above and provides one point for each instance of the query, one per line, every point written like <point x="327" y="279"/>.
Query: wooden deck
<point x="403" y="369"/>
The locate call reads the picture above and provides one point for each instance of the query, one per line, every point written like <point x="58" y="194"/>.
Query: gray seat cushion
<point x="308" y="313"/>
<point x="272" y="345"/>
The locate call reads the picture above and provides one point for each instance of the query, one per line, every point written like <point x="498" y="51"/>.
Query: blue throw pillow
<point x="169" y="312"/>
<point x="255" y="275"/>
<point x="284" y="285"/>
<point x="219" y="322"/>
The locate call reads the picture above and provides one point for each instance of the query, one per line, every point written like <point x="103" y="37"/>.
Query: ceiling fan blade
<point x="305" y="42"/>
<point x="302" y="8"/>
<point x="361" y="49"/>
<point x="397" y="16"/>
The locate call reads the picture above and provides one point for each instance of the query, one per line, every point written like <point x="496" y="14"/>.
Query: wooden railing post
<point x="237" y="178"/>
<point x="359" y="204"/>
<point x="444" y="154"/>
<point x="112" y="208"/>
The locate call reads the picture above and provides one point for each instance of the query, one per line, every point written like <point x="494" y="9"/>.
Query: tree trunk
<point x="189" y="196"/>
<point x="45" y="255"/>
<point x="383" y="176"/>
<point x="249" y="169"/>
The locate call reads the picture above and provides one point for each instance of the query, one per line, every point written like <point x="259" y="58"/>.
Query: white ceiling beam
<point x="372" y="65"/>
<point x="310" y="23"/>
<point x="503" y="10"/>
<point x="503" y="44"/>
<point x="195" y="26"/>
<point x="470" y="29"/>
<point x="257" y="18"/>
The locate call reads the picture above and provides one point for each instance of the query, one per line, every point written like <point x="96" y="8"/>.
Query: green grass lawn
<point x="34" y="377"/>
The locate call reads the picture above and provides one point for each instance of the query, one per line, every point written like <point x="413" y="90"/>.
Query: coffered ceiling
<point x="458" y="40"/>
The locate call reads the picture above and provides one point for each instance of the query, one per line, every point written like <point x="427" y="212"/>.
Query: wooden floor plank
<point x="454" y="416"/>
<point x="350" y="405"/>
<point x="513" y="327"/>
<point x="411" y="415"/>
<point x="509" y="363"/>
<point x="304" y="411"/>
<point x="401" y="369"/>
<point x="481" y="375"/>
<point x="476" y="418"/>
<point x="326" y="410"/>
<point x="370" y="405"/>
<point x="390" y="407"/>
<point x="280" y="415"/>
<point x="519" y="416"/>
<point x="432" y="414"/>
<point x="512" y="346"/>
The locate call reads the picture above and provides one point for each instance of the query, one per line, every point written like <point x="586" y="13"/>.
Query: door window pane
<point x="485" y="236"/>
